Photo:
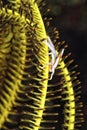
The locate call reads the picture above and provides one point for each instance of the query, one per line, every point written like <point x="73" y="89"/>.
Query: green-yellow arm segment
<point x="69" y="107"/>
<point x="71" y="91"/>
<point x="42" y="57"/>
<point x="12" y="57"/>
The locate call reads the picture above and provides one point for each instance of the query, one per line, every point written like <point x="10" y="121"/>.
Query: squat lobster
<point x="56" y="58"/>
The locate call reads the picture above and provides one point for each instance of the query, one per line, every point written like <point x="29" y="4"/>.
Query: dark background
<point x="70" y="17"/>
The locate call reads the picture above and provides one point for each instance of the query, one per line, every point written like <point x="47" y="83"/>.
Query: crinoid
<point x="28" y="99"/>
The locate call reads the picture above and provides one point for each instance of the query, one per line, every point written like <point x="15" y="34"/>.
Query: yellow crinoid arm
<point x="69" y="108"/>
<point x="11" y="67"/>
<point x="39" y="58"/>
